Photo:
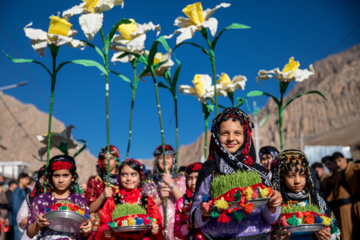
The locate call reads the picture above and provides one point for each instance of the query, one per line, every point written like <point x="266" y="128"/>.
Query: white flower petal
<point x="106" y="5"/>
<point x="183" y="22"/>
<point x="143" y="28"/>
<point x="303" y="74"/>
<point x="186" y="33"/>
<point x="186" y="89"/>
<point x="76" y="44"/>
<point x="75" y="10"/>
<point x="208" y="12"/>
<point x="38" y="39"/>
<point x="91" y="23"/>
<point x="212" y="24"/>
<point x="137" y="44"/>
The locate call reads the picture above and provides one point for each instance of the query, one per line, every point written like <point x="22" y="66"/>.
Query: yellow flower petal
<point x="158" y="57"/>
<point x="199" y="84"/>
<point x="90" y="4"/>
<point x="59" y="26"/>
<point x="291" y="66"/>
<point x="224" y="80"/>
<point x="127" y="29"/>
<point x="194" y="12"/>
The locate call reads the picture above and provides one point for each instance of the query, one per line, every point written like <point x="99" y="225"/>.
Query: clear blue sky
<point x="307" y="30"/>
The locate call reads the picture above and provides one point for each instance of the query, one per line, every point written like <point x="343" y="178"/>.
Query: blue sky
<point x="307" y="30"/>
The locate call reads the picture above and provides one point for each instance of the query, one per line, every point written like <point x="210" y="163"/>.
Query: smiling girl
<point x="130" y="191"/>
<point x="61" y="178"/>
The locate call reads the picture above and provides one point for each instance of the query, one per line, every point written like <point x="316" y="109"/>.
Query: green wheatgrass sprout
<point x="297" y="208"/>
<point x="127" y="209"/>
<point x="223" y="183"/>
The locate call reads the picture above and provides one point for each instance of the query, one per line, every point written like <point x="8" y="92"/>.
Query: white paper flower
<point x="202" y="89"/>
<point x="196" y="21"/>
<point x="290" y="72"/>
<point x="121" y="50"/>
<point x="58" y="140"/>
<point x="228" y="85"/>
<point x="133" y="35"/>
<point x="59" y="33"/>
<point x="91" y="21"/>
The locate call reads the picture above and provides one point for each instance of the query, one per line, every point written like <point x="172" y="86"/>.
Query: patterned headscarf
<point x="169" y="150"/>
<point x="244" y="158"/>
<point x="194" y="167"/>
<point x="37" y="188"/>
<point x="268" y="150"/>
<point x="284" y="163"/>
<point x="137" y="162"/>
<point x="61" y="162"/>
<point x="102" y="173"/>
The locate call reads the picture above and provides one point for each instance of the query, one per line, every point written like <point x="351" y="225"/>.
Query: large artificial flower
<point x="61" y="141"/>
<point x="196" y="21"/>
<point x="59" y="33"/>
<point x="290" y="72"/>
<point x="202" y="88"/>
<point x="91" y="22"/>
<point x="133" y="35"/>
<point x="228" y="85"/>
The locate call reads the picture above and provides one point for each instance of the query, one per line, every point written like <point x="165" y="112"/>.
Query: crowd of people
<point x="180" y="198"/>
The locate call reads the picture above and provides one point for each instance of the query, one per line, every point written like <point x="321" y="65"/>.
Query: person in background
<point x="319" y="175"/>
<point x="12" y="186"/>
<point x="3" y="209"/>
<point x="267" y="154"/>
<point x="357" y="163"/>
<point x="17" y="198"/>
<point x="182" y="170"/>
<point x="330" y="165"/>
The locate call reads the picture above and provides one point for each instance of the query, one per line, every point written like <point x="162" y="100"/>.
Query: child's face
<point x="168" y="160"/>
<point x="129" y="178"/>
<point x="191" y="180"/>
<point x="112" y="163"/>
<point x="62" y="179"/>
<point x="231" y="135"/>
<point x="295" y="181"/>
<point x="266" y="161"/>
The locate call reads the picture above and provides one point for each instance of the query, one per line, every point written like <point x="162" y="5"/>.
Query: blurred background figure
<point x="12" y="186"/>
<point x="267" y="154"/>
<point x="4" y="222"/>
<point x="357" y="163"/>
<point x="182" y="170"/>
<point x="320" y="176"/>
<point x="330" y="165"/>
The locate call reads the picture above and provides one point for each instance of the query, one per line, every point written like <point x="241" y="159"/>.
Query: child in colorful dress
<point x="232" y="149"/>
<point x="61" y="178"/>
<point x="292" y="178"/>
<point x="183" y="205"/>
<point x="170" y="184"/>
<point x="98" y="190"/>
<point x="130" y="191"/>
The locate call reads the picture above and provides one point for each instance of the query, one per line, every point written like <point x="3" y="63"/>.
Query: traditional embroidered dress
<point x="45" y="200"/>
<point x="152" y="188"/>
<point x="183" y="207"/>
<point x="256" y="224"/>
<point x="283" y="163"/>
<point x="97" y="184"/>
<point x="132" y="197"/>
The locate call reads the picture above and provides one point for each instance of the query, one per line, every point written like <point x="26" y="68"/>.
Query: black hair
<point x="317" y="165"/>
<point x="12" y="182"/>
<point x="325" y="159"/>
<point x="357" y="161"/>
<point x="337" y="155"/>
<point x="22" y="175"/>
<point x="49" y="181"/>
<point x="131" y="164"/>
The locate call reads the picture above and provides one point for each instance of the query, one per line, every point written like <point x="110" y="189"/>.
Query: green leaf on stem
<point x="240" y="101"/>
<point x="177" y="73"/>
<point x="193" y="44"/>
<point x="82" y="148"/>
<point x="98" y="50"/>
<point x="162" y="85"/>
<point x="112" y="32"/>
<point x="283" y="86"/>
<point x="207" y="109"/>
<point x="122" y="77"/>
<point x="257" y="93"/>
<point x="231" y="97"/>
<point x="86" y="63"/>
<point x="232" y="26"/>
<point x="221" y="106"/>
<point x="301" y="94"/>
<point x="154" y="49"/>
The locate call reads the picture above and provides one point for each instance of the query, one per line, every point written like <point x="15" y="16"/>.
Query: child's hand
<point x="324" y="234"/>
<point x="274" y="201"/>
<point x="41" y="221"/>
<point x="284" y="234"/>
<point x="166" y="177"/>
<point x="164" y="192"/>
<point x="203" y="210"/>
<point x="107" y="192"/>
<point x="154" y="228"/>
<point x="85" y="228"/>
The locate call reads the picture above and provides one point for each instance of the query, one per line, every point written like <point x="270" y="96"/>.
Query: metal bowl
<point x="132" y="228"/>
<point x="304" y="229"/>
<point x="65" y="221"/>
<point x="259" y="202"/>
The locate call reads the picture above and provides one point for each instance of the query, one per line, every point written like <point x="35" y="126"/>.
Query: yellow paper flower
<point x="196" y="21"/>
<point x="263" y="192"/>
<point x="228" y="85"/>
<point x="290" y="72"/>
<point x="326" y="220"/>
<point x="90" y="4"/>
<point x="248" y="193"/>
<point x="131" y="222"/>
<point x="60" y="33"/>
<point x="221" y="204"/>
<point x="202" y="88"/>
<point x="127" y="29"/>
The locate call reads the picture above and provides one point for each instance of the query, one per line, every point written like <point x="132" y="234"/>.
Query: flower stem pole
<point x="283" y="87"/>
<point x="106" y="62"/>
<point x="162" y="141"/>
<point x="212" y="60"/>
<point x="134" y="65"/>
<point x="177" y="132"/>
<point x="54" y="50"/>
<point x="206" y="108"/>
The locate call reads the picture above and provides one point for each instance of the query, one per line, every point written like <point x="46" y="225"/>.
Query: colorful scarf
<point x="189" y="195"/>
<point x="223" y="162"/>
<point x="102" y="173"/>
<point x="268" y="150"/>
<point x="37" y="188"/>
<point x="61" y="162"/>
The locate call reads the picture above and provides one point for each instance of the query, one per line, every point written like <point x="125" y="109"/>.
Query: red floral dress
<point x="132" y="196"/>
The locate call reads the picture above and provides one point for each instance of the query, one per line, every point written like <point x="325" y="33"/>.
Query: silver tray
<point x="304" y="229"/>
<point x="257" y="203"/>
<point x="65" y="221"/>
<point x="132" y="228"/>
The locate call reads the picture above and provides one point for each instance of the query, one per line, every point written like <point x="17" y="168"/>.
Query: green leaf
<point x="23" y="60"/>
<point x="86" y="63"/>
<point x="193" y="44"/>
<point x="162" y="85"/>
<point x="167" y="76"/>
<point x="82" y="148"/>
<point x="263" y="122"/>
<point x="129" y="53"/>
<point x="283" y="87"/>
<point x="112" y="32"/>
<point x="240" y="101"/>
<point x="221" y="106"/>
<point x="122" y="77"/>
<point x="257" y="93"/>
<point x="177" y="72"/>
<point x="98" y="50"/>
<point x="301" y="94"/>
<point x="154" y="49"/>
<point x="232" y="26"/>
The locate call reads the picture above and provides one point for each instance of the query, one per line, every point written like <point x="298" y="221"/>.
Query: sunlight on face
<point x="295" y="180"/>
<point x="231" y="135"/>
<point x="129" y="178"/>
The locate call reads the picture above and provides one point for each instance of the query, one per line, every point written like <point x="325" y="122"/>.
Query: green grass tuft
<point x="127" y="209"/>
<point x="223" y="183"/>
<point x="297" y="208"/>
